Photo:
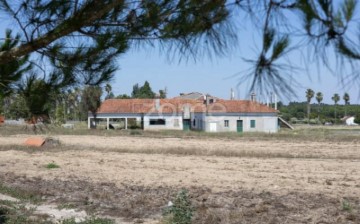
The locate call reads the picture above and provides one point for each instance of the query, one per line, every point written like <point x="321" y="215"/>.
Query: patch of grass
<point x="194" y="152"/>
<point x="135" y="132"/>
<point x="92" y="220"/>
<point x="346" y="205"/>
<point x="52" y="166"/>
<point x="66" y="206"/>
<point x="13" y="213"/>
<point x="181" y="212"/>
<point x="19" y="194"/>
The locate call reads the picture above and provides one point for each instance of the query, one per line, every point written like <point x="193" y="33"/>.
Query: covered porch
<point x="118" y="121"/>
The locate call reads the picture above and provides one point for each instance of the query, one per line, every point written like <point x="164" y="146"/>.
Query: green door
<point x="239" y="125"/>
<point x="186" y="125"/>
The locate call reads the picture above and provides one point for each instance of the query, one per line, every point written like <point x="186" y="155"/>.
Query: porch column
<point x="108" y="123"/>
<point x="126" y="123"/>
<point x="89" y="125"/>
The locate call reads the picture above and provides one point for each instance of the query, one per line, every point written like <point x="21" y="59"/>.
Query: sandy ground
<point x="313" y="168"/>
<point x="322" y="149"/>
<point x="324" y="174"/>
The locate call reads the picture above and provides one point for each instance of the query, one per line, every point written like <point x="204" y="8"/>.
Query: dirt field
<point x="229" y="180"/>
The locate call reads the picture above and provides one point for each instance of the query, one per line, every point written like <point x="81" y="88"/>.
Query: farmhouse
<point x="209" y="114"/>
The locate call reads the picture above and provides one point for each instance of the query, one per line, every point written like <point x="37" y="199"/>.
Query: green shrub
<point x="52" y="166"/>
<point x="293" y="120"/>
<point x="181" y="212"/>
<point x="357" y="119"/>
<point x="16" y="214"/>
<point x="313" y="121"/>
<point x="346" y="206"/>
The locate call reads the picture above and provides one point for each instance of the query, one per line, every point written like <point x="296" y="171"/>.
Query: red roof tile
<point x="177" y="106"/>
<point x="240" y="106"/>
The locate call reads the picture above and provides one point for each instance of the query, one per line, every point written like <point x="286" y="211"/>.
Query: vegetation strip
<point x="183" y="152"/>
<point x="198" y="204"/>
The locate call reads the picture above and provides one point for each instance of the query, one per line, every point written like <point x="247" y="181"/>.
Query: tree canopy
<point x="84" y="37"/>
<point x="11" y="72"/>
<point x="58" y="27"/>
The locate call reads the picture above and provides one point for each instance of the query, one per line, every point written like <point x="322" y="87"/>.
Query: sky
<point x="215" y="77"/>
<point x="218" y="75"/>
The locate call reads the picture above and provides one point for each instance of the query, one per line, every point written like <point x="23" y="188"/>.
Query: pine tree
<point x="91" y="100"/>
<point x="12" y="72"/>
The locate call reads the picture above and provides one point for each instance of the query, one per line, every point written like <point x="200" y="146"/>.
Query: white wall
<point x="267" y="124"/>
<point x="350" y="121"/>
<point x="169" y="123"/>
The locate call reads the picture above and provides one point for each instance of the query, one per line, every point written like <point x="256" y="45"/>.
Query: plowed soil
<point x="229" y="181"/>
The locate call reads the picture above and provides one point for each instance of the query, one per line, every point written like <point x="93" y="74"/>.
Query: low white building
<point x="187" y="114"/>
<point x="349" y="120"/>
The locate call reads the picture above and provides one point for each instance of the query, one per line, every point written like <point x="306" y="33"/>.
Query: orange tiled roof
<point x="176" y="105"/>
<point x="240" y="106"/>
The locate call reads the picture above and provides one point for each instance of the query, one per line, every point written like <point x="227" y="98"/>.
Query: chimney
<point x="275" y="101"/>
<point x="253" y="97"/>
<point x="157" y="104"/>
<point x="232" y="94"/>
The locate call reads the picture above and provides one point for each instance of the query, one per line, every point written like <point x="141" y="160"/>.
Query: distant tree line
<point x="313" y="113"/>
<point x="138" y="92"/>
<point x="36" y="97"/>
<point x="70" y="104"/>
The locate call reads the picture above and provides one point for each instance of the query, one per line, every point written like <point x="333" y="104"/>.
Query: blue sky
<point x="219" y="75"/>
<point x="215" y="76"/>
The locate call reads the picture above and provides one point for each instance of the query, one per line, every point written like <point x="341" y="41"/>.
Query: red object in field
<point x="2" y="119"/>
<point x="35" y="141"/>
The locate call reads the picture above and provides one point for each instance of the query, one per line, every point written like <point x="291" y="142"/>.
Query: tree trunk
<point x="94" y="115"/>
<point x="345" y="109"/>
<point x="308" y="112"/>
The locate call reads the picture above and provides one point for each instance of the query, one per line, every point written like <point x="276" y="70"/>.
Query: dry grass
<point x="301" y="133"/>
<point x="220" y="152"/>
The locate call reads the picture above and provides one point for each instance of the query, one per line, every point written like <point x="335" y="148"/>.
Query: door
<point x="239" y="126"/>
<point x="186" y="124"/>
<point x="212" y="127"/>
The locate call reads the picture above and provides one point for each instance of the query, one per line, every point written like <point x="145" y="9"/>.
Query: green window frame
<point x="252" y="123"/>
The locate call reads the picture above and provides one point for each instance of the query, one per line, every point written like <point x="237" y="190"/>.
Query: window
<point x="176" y="123"/>
<point x="194" y="122"/>
<point x="252" y="124"/>
<point x="226" y="123"/>
<point x="157" y="122"/>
